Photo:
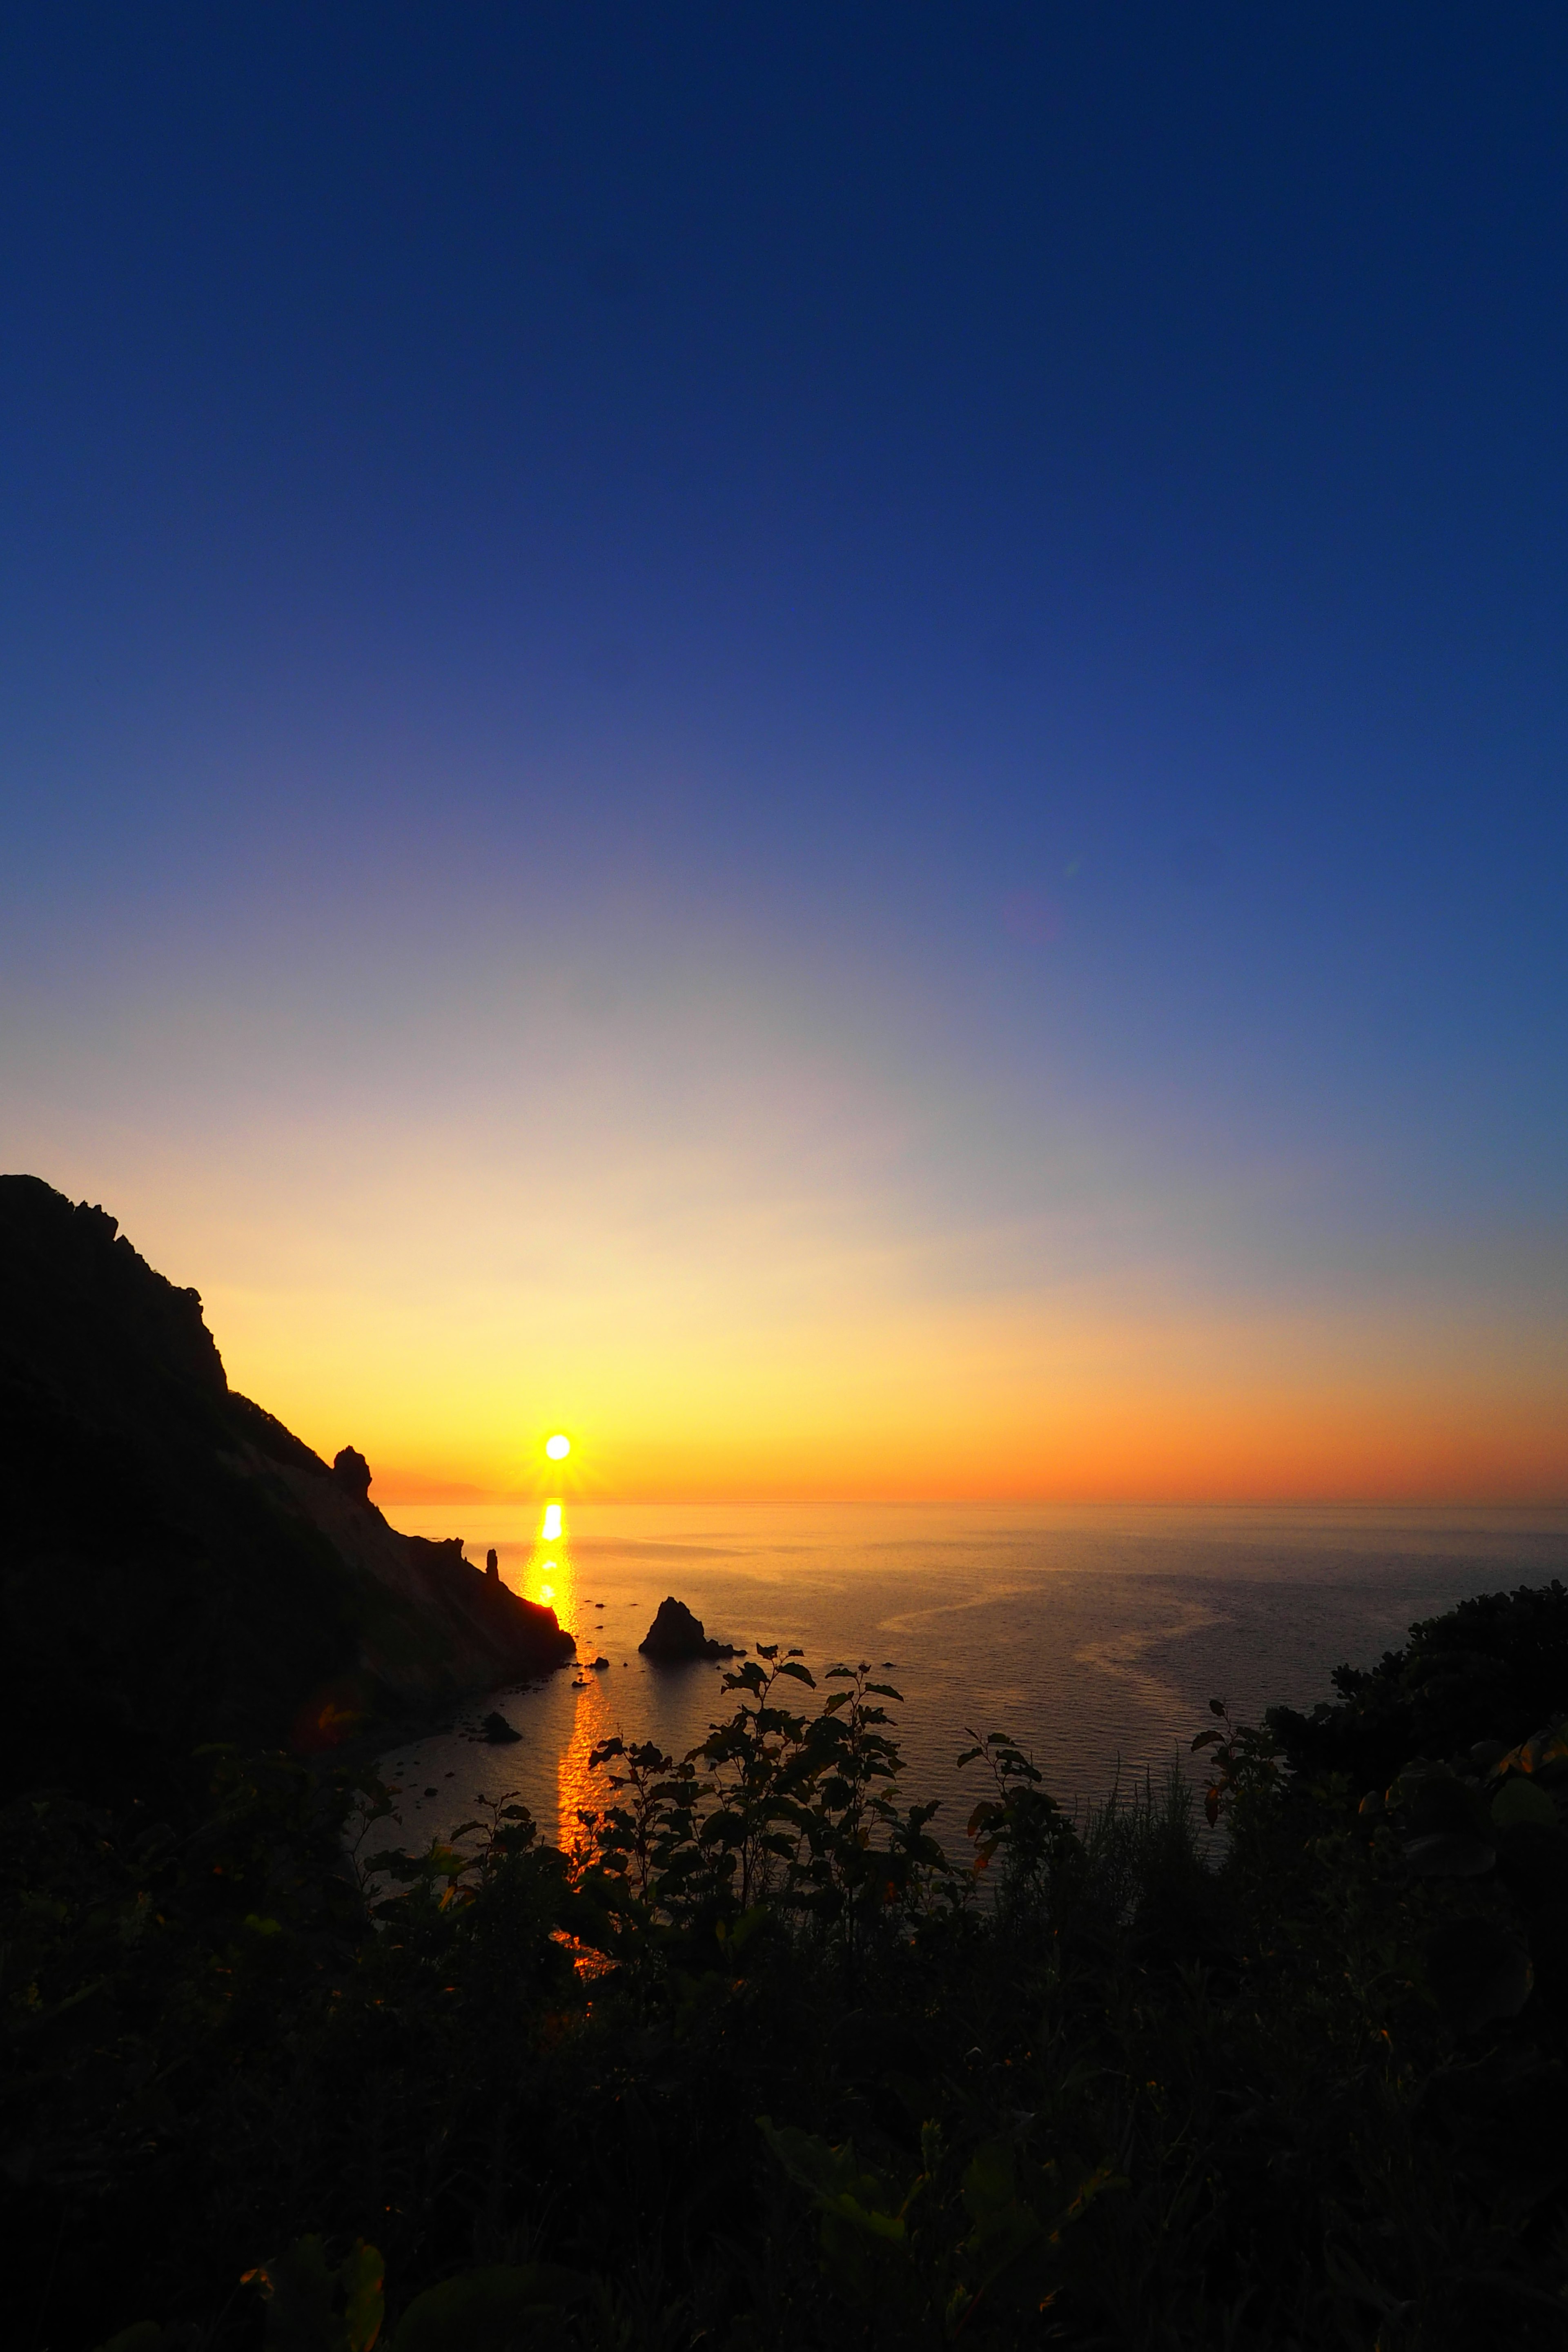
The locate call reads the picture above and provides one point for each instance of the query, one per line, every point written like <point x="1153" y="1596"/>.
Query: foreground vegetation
<point x="754" y="2068"/>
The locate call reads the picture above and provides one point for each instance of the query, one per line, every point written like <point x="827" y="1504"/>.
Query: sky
<point x="827" y="740"/>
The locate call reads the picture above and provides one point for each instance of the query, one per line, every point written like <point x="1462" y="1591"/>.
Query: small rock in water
<point x="677" y="1635"/>
<point x="499" y="1731"/>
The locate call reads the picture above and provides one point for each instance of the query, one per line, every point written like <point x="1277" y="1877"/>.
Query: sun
<point x="558" y="1448"/>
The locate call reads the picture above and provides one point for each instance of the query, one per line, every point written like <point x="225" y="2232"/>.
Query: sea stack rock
<point x="492" y="1565"/>
<point x="676" y="1636"/>
<point x="352" y="1472"/>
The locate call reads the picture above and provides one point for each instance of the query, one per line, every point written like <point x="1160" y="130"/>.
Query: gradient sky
<point x="827" y="740"/>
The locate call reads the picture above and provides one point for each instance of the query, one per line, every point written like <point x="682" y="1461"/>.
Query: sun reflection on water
<point x="577" y="1790"/>
<point x="551" y="1577"/>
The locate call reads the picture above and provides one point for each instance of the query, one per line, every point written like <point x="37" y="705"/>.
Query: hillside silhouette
<point x="176" y="1567"/>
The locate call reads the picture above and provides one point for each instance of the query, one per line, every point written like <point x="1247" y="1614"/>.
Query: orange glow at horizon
<point x="1155" y="1443"/>
<point x="767" y="1361"/>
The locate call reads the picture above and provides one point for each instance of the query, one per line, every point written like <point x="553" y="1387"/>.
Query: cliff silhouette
<point x="176" y="1567"/>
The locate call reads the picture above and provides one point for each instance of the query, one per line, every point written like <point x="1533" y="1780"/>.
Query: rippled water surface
<point x="1096" y="1636"/>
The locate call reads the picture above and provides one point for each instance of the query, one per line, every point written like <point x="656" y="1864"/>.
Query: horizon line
<point x="457" y="1497"/>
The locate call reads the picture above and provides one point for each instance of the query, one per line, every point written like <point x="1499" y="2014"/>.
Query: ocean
<point x="1096" y="1636"/>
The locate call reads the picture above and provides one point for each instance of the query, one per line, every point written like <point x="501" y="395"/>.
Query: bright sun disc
<point x="558" y="1448"/>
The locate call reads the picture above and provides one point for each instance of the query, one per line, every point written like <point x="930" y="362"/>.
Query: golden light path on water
<point x="552" y="1579"/>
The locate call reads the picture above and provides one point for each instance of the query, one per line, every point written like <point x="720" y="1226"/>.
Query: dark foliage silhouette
<point x="757" y="2063"/>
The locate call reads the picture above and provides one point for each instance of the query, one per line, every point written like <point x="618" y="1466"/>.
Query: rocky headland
<point x="176" y="1567"/>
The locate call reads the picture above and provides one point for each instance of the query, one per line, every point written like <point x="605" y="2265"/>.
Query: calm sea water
<point x="1096" y="1636"/>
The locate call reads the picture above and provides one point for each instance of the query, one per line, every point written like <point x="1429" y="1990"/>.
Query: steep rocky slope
<point x="175" y="1565"/>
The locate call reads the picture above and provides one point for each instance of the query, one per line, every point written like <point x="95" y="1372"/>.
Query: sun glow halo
<point x="558" y="1447"/>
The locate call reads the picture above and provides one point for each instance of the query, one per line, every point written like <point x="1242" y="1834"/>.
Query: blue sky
<point x="959" y="609"/>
